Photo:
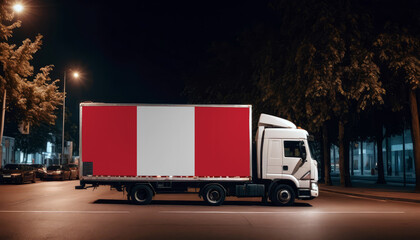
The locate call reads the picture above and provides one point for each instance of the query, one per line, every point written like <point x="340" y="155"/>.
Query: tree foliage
<point x="342" y="65"/>
<point x="29" y="97"/>
<point x="399" y="49"/>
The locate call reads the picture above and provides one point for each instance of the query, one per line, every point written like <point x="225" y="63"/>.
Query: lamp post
<point x="75" y="75"/>
<point x="17" y="8"/>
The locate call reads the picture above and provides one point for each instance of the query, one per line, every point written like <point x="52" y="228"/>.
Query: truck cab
<point x="284" y="158"/>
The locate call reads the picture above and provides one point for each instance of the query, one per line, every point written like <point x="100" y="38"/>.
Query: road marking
<point x="306" y="212"/>
<point x="86" y="212"/>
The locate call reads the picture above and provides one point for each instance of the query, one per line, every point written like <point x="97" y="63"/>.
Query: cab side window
<point x="292" y="149"/>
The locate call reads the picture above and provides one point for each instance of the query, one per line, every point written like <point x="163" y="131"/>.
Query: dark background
<point x="130" y="52"/>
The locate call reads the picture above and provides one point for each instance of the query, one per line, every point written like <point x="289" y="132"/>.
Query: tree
<point x="36" y="140"/>
<point x="399" y="48"/>
<point x="32" y="101"/>
<point x="329" y="73"/>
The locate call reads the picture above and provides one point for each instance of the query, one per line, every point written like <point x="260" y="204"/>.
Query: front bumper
<point x="52" y="177"/>
<point x="10" y="178"/>
<point x="40" y="174"/>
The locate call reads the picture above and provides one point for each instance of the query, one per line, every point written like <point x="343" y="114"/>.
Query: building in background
<point x="48" y="157"/>
<point x="8" y="147"/>
<point x="397" y="152"/>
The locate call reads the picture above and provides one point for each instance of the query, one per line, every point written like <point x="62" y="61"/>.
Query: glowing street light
<point x="75" y="75"/>
<point x="18" y="7"/>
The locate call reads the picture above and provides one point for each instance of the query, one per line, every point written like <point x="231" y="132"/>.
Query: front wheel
<point x="141" y="195"/>
<point x="283" y="195"/>
<point x="214" y="195"/>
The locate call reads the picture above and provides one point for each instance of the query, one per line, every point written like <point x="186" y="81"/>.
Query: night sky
<point x="130" y="51"/>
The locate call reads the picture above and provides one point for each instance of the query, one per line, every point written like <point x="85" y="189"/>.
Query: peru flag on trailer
<point x="202" y="141"/>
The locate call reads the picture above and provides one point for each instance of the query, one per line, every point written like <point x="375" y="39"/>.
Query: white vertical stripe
<point x="165" y="141"/>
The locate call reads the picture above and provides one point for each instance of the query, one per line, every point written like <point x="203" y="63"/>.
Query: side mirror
<point x="304" y="155"/>
<point x="302" y="150"/>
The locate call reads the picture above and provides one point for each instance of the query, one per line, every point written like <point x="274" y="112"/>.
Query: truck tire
<point x="141" y="194"/>
<point x="283" y="195"/>
<point x="34" y="178"/>
<point x="214" y="195"/>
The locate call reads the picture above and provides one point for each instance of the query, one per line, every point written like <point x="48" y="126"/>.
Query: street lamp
<point x="75" y="75"/>
<point x="18" y="7"/>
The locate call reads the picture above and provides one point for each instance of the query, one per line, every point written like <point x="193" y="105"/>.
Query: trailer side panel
<point x="109" y="139"/>
<point x="160" y="141"/>
<point x="222" y="141"/>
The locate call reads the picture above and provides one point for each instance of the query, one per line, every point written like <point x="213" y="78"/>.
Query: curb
<point x="374" y="197"/>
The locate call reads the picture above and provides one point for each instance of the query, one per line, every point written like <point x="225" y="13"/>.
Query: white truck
<point x="151" y="149"/>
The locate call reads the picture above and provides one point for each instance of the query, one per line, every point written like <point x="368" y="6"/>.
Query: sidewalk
<point x="369" y="189"/>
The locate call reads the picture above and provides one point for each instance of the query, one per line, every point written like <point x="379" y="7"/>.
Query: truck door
<point x="293" y="158"/>
<point x="274" y="160"/>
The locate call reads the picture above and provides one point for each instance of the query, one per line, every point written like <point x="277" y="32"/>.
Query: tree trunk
<point x="3" y="113"/>
<point x="343" y="156"/>
<point x="347" y="162"/>
<point x="321" y="168"/>
<point x="327" y="157"/>
<point x="379" y="139"/>
<point x="415" y="131"/>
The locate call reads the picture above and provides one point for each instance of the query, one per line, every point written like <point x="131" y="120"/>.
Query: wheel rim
<point x="213" y="196"/>
<point x="141" y="195"/>
<point x="284" y="196"/>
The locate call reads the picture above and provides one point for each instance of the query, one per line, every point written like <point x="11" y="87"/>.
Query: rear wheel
<point x="141" y="194"/>
<point x="214" y="195"/>
<point x="34" y="178"/>
<point x="283" y="195"/>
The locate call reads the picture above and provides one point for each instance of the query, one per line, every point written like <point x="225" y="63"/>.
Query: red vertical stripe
<point x="222" y="141"/>
<point x="109" y="139"/>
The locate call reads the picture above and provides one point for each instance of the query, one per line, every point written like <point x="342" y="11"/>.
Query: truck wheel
<point x="214" y="195"/>
<point x="34" y="178"/>
<point x="141" y="195"/>
<point x="283" y="195"/>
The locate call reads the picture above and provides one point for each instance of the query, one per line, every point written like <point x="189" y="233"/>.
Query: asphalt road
<point x="55" y="210"/>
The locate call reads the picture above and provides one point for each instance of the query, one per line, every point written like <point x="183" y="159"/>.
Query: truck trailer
<point x="148" y="149"/>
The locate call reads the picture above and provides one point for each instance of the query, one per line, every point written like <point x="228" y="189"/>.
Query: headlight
<point x="16" y="174"/>
<point x="314" y="186"/>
